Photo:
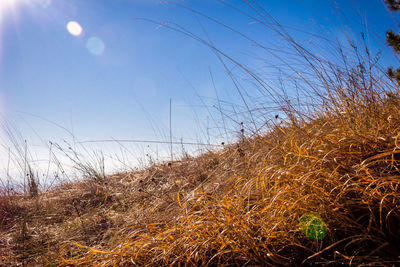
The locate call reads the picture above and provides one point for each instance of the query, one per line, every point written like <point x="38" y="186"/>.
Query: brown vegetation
<point x="240" y="205"/>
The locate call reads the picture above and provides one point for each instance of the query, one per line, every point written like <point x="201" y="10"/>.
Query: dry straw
<point x="342" y="164"/>
<point x="337" y="157"/>
<point x="333" y="161"/>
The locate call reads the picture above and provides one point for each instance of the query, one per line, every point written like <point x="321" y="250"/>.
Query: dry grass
<point x="246" y="207"/>
<point x="237" y="206"/>
<point x="241" y="205"/>
<point x="91" y="213"/>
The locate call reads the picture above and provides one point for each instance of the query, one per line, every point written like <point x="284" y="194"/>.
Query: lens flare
<point x="95" y="45"/>
<point x="74" y="28"/>
<point x="313" y="226"/>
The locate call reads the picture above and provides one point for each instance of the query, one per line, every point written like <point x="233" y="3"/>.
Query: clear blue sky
<point x="116" y="78"/>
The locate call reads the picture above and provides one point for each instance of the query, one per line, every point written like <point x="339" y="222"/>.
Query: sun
<point x="7" y="4"/>
<point x="8" y="10"/>
<point x="8" y="7"/>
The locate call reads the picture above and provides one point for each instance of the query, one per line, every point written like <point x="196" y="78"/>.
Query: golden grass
<point x="241" y="205"/>
<point x="342" y="165"/>
<point x="238" y="206"/>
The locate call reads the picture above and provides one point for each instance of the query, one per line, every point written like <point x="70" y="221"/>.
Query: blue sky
<point x="50" y="77"/>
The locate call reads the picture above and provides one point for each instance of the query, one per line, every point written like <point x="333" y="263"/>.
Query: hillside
<point x="312" y="179"/>
<point x="242" y="205"/>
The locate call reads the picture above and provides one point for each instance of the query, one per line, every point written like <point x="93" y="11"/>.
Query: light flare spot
<point x="313" y="226"/>
<point x="95" y="45"/>
<point x="74" y="28"/>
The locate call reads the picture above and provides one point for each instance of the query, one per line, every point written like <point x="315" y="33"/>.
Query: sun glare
<point x="6" y="5"/>
<point x="74" y="28"/>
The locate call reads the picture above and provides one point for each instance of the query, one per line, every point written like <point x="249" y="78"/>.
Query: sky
<point x="86" y="70"/>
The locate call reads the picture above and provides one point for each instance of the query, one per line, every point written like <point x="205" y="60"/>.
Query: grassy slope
<point x="240" y="205"/>
<point x="95" y="213"/>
